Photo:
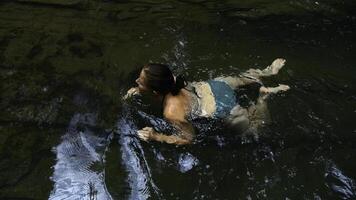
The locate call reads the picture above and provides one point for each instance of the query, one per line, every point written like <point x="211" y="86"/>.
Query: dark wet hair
<point x="160" y="79"/>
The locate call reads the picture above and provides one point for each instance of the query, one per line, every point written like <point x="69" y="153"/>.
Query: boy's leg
<point x="239" y="119"/>
<point x="257" y="115"/>
<point x="252" y="75"/>
<point x="273" y="69"/>
<point x="238" y="81"/>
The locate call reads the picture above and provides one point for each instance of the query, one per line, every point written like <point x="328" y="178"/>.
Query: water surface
<point x="65" y="132"/>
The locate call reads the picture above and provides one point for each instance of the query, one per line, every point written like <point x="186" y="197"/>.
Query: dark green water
<point x="64" y="131"/>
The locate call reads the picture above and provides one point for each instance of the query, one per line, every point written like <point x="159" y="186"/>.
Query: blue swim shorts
<point x="225" y="98"/>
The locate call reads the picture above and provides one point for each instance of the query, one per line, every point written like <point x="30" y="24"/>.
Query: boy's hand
<point x="146" y="133"/>
<point x="131" y="92"/>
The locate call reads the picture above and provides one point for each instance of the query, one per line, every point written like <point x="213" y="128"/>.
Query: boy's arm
<point x="177" y="119"/>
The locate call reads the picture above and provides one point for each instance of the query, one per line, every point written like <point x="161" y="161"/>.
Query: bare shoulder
<point x="174" y="108"/>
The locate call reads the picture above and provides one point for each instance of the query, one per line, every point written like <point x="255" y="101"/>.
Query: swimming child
<point x="214" y="98"/>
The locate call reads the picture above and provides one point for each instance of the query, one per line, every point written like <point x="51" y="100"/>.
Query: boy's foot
<point x="274" y="90"/>
<point x="274" y="68"/>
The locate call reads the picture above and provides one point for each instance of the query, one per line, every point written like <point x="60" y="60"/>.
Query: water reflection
<point x="342" y="185"/>
<point x="139" y="177"/>
<point x="79" y="172"/>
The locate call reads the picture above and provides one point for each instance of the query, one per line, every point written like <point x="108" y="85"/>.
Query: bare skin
<point x="253" y="75"/>
<point x="176" y="108"/>
<point x="255" y="116"/>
